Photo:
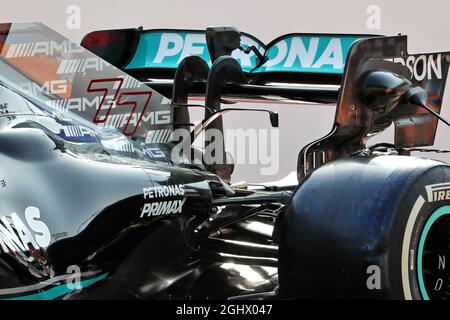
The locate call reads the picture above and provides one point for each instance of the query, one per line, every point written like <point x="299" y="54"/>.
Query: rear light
<point x="115" y="46"/>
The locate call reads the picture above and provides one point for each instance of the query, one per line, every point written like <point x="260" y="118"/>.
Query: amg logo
<point x="77" y="131"/>
<point x="31" y="49"/>
<point x="48" y="87"/>
<point x="151" y="152"/>
<point x="159" y="136"/>
<point x="81" y="65"/>
<point x="130" y="83"/>
<point x="77" y="104"/>
<point x="158" y="117"/>
<point x="438" y="192"/>
<point x="154" y="118"/>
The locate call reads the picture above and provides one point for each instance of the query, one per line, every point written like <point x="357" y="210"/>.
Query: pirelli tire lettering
<point x="159" y="207"/>
<point x="19" y="236"/>
<point x="438" y="192"/>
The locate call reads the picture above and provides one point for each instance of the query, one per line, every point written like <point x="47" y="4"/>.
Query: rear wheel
<point x="368" y="228"/>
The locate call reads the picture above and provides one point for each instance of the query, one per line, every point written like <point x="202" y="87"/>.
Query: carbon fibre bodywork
<point x="93" y="204"/>
<point x="123" y="227"/>
<point x="97" y="203"/>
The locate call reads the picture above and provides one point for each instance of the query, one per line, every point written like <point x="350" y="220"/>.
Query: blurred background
<point x="425" y="22"/>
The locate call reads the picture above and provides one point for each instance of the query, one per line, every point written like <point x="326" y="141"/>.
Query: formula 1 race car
<point x="106" y="196"/>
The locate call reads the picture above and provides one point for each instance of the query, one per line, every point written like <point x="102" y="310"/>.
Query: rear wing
<point x="318" y="68"/>
<point x="299" y="66"/>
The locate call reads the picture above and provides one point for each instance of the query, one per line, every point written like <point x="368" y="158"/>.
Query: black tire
<point x="353" y="231"/>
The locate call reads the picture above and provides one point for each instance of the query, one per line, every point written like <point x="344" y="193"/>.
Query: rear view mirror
<point x="382" y="90"/>
<point x="222" y="41"/>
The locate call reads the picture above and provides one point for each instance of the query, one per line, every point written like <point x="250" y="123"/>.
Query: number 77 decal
<point x="123" y="101"/>
<point x="136" y="100"/>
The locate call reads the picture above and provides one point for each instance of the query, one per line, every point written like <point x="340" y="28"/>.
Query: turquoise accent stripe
<point x="436" y="215"/>
<point x="60" y="290"/>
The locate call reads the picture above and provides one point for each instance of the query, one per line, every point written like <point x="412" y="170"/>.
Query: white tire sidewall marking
<point x="406" y="246"/>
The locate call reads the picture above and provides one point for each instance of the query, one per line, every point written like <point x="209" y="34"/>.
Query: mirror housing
<point x="222" y="41"/>
<point x="382" y="90"/>
<point x="417" y="96"/>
